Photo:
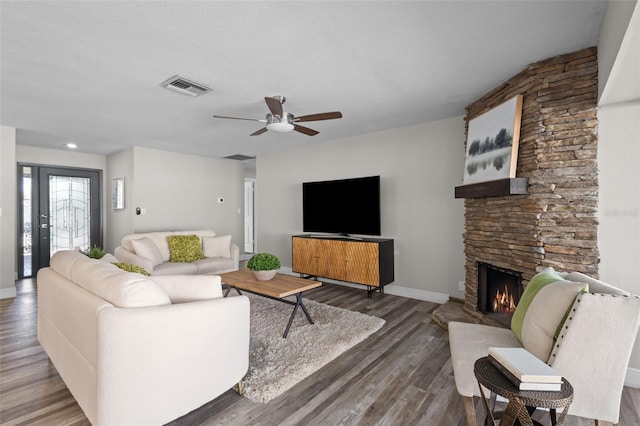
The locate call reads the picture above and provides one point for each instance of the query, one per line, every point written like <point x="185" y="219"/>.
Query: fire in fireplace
<point x="499" y="291"/>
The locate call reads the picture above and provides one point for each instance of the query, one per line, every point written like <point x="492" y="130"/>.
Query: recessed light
<point x="71" y="145"/>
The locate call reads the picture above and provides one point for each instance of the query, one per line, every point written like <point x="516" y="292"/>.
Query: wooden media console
<point x="367" y="261"/>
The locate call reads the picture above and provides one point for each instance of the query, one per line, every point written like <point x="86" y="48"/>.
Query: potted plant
<point x="263" y="266"/>
<point x="94" y="252"/>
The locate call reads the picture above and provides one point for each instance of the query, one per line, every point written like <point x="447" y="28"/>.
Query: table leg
<point x="229" y="287"/>
<point x="293" y="314"/>
<point x="516" y="410"/>
<point x="487" y="411"/>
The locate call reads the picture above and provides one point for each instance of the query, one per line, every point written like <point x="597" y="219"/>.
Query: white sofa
<point x="592" y="349"/>
<point x="139" y="350"/>
<point x="150" y="251"/>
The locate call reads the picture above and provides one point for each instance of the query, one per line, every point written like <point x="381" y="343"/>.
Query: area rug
<point x="277" y="364"/>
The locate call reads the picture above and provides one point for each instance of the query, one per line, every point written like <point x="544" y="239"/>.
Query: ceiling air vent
<point x="239" y="157"/>
<point x="185" y="86"/>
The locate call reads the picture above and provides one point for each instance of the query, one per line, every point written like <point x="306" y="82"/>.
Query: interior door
<point x="249" y="241"/>
<point x="67" y="213"/>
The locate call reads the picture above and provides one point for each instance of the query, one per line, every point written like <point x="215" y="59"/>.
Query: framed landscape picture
<point x="492" y="143"/>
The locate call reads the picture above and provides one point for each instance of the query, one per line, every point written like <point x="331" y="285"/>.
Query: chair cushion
<point x="185" y="248"/>
<point x="468" y="342"/>
<point x="217" y="246"/>
<point x="146" y="248"/>
<point x="541" y="279"/>
<point x="546" y="314"/>
<point x="595" y="286"/>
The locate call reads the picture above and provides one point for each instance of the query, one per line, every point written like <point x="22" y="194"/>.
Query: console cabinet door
<point x="310" y="256"/>
<point x="361" y="261"/>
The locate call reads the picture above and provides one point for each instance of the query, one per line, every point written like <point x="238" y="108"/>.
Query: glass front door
<point x="61" y="212"/>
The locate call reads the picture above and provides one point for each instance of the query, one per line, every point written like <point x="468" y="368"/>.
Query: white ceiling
<point x="89" y="72"/>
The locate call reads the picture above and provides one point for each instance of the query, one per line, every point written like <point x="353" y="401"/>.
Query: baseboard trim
<point x="632" y="379"/>
<point x="396" y="290"/>
<point x="8" y="293"/>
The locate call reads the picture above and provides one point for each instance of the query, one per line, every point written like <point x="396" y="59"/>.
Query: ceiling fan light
<point x="280" y="127"/>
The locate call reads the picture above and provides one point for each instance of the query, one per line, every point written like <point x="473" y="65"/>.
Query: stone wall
<point x="556" y="223"/>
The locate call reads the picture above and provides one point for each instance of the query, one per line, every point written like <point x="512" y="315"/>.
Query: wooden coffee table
<point x="278" y="288"/>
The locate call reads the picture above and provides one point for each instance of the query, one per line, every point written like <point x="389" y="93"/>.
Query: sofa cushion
<point x="185" y="248"/>
<point x="215" y="265"/>
<point x="541" y="279"/>
<point x="217" y="246"/>
<point x="146" y="248"/>
<point x="546" y="314"/>
<point x="108" y="257"/>
<point x="190" y="288"/>
<point x="120" y="288"/>
<point x="176" y="268"/>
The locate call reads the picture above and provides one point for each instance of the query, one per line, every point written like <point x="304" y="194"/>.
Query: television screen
<point x="346" y="206"/>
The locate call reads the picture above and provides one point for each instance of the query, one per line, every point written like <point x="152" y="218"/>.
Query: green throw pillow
<point x="540" y="280"/>
<point x="185" y="248"/>
<point x="131" y="268"/>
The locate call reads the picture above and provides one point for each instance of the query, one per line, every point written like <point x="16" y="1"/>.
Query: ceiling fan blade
<point x="275" y="106"/>
<point x="320" y="116"/>
<point x="305" y="130"/>
<point x="237" y="118"/>
<point x="259" y="132"/>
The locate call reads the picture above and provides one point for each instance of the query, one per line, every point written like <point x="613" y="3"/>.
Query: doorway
<point x="59" y="209"/>
<point x="249" y="216"/>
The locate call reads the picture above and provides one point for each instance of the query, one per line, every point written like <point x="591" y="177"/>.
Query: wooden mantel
<point x="494" y="188"/>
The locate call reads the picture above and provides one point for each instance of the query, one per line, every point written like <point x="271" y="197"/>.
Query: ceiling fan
<point x="281" y="121"/>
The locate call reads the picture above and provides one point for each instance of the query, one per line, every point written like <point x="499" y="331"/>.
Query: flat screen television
<point x="345" y="206"/>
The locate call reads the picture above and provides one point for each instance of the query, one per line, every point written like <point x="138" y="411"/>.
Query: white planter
<point x="264" y="275"/>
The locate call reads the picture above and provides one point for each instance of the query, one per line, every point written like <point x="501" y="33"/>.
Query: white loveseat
<point x="150" y="251"/>
<point x="139" y="350"/>
<point x="591" y="349"/>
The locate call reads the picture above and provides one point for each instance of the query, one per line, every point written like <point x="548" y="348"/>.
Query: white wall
<point x="619" y="210"/>
<point x="419" y="167"/>
<point x="619" y="155"/>
<point x="180" y="191"/>
<point x="120" y="222"/>
<point x="8" y="213"/>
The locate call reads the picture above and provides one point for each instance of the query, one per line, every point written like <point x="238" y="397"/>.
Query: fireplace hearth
<point x="499" y="292"/>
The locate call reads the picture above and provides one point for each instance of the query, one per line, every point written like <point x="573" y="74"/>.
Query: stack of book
<point x="525" y="370"/>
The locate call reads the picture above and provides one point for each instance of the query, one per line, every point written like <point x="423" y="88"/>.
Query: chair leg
<point x="470" y="410"/>
<point x="602" y="423"/>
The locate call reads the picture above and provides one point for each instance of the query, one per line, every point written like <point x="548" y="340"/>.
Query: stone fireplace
<point x="555" y="223"/>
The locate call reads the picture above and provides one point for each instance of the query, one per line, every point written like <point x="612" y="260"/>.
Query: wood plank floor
<point x="401" y="375"/>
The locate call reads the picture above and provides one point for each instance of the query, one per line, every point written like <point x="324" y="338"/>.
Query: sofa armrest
<point x="156" y="364"/>
<point x="126" y="256"/>
<point x="593" y="352"/>
<point x="189" y="288"/>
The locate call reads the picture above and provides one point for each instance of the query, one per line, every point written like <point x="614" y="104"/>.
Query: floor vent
<point x="185" y="86"/>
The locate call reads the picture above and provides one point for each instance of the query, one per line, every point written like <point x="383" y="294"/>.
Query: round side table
<point x="492" y="379"/>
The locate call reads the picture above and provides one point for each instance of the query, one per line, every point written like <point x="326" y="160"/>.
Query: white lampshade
<point x="280" y="127"/>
